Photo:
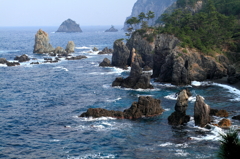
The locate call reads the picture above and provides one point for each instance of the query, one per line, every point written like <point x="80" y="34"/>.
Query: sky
<point x="54" y="12"/>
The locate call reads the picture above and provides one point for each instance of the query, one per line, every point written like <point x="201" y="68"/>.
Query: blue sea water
<point x="40" y="105"/>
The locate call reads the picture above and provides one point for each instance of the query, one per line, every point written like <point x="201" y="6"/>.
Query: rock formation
<point x="112" y="29"/>
<point x="95" y="49"/>
<point x="201" y="112"/>
<point x="42" y="44"/>
<point x="70" y="47"/>
<point x="105" y="63"/>
<point x="225" y="123"/>
<point x="3" y="61"/>
<point x="120" y="54"/>
<point x="145" y="107"/>
<point x="237" y="117"/>
<point x="156" y="6"/>
<point x="179" y="117"/>
<point x="219" y="113"/>
<point x="69" y="26"/>
<point x="172" y="64"/>
<point x="76" y="58"/>
<point x="13" y="63"/>
<point x="137" y="79"/>
<point x="22" y="58"/>
<point x="106" y="50"/>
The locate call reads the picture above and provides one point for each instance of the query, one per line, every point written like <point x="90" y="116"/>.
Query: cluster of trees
<point x="135" y="21"/>
<point x="213" y="27"/>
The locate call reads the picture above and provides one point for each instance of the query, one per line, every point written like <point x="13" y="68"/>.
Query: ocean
<point x="40" y="105"/>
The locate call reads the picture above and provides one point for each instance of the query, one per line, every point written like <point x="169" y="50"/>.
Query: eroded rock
<point x="105" y="63"/>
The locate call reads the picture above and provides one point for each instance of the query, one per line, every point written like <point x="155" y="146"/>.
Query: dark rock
<point x="3" y="61"/>
<point x="105" y="63"/>
<point x="42" y="44"/>
<point x="112" y="29"/>
<point x="147" y="68"/>
<point x="106" y="51"/>
<point x="135" y="80"/>
<point x="145" y="107"/>
<point x="233" y="79"/>
<point x="219" y="113"/>
<point x="172" y="64"/>
<point x="236" y="117"/>
<point x="231" y="71"/>
<point x="95" y="49"/>
<point x="76" y="58"/>
<point x="52" y="54"/>
<point x="179" y="117"/>
<point x="120" y="54"/>
<point x="13" y="63"/>
<point x="47" y="59"/>
<point x="201" y="112"/>
<point x="34" y="63"/>
<point x="70" y="47"/>
<point x="22" y="58"/>
<point x="69" y="26"/>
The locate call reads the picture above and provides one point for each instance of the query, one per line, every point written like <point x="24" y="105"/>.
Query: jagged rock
<point x="34" y="63"/>
<point x="70" y="47"/>
<point x="42" y="44"/>
<point x="22" y="58"/>
<point x="179" y="117"/>
<point x="77" y="57"/>
<point x="3" y="61"/>
<point x="112" y="29"/>
<point x="219" y="113"/>
<point x="120" y="54"/>
<point x="69" y="26"/>
<point x="172" y="64"/>
<point x="105" y="63"/>
<point x="106" y="51"/>
<point x="236" y="117"/>
<point x="59" y="50"/>
<point x="135" y="80"/>
<point x="145" y="107"/>
<point x="201" y="112"/>
<point x="95" y="49"/>
<point x="224" y="123"/>
<point x="12" y="63"/>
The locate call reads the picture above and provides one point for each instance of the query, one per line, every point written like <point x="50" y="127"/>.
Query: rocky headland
<point x="145" y="107"/>
<point x="69" y="26"/>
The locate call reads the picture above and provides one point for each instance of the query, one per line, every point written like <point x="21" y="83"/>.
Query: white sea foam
<point x="167" y="109"/>
<point x="166" y="144"/>
<point x="234" y="91"/>
<point x="198" y="84"/>
<point x="97" y="119"/>
<point x="3" y="65"/>
<point x="60" y="67"/>
<point x="7" y="51"/>
<point x="182" y="153"/>
<point x="172" y="96"/>
<point x="83" y="47"/>
<point x="106" y="86"/>
<point x="54" y="140"/>
<point x="113" y="100"/>
<point x="139" y="95"/>
<point x="87" y="156"/>
<point x="164" y="85"/>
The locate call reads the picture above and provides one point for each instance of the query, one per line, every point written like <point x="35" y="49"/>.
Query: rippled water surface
<point x="40" y="104"/>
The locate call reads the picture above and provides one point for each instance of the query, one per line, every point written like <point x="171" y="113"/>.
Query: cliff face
<point x="156" y="6"/>
<point x="69" y="26"/>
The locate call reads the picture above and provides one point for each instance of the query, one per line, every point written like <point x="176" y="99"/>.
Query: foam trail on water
<point x="83" y="47"/>
<point x="234" y="91"/>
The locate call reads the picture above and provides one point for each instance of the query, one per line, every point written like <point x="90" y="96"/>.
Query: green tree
<point x="150" y="15"/>
<point x="141" y="16"/>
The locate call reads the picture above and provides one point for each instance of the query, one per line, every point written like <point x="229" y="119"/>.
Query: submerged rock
<point x="12" y="63"/>
<point x="105" y="63"/>
<point x="42" y="44"/>
<point x="145" y="107"/>
<point x="179" y="117"/>
<point x="201" y="112"/>
<point x="69" y="26"/>
<point x="76" y="58"/>
<point x="137" y="79"/>
<point x="112" y="29"/>
<point x="22" y="58"/>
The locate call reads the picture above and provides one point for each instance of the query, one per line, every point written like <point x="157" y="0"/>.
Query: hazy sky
<point x="54" y="12"/>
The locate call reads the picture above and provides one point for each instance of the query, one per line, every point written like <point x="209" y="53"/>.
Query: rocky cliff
<point x="156" y="6"/>
<point x="42" y="44"/>
<point x="170" y="62"/>
<point x="69" y="26"/>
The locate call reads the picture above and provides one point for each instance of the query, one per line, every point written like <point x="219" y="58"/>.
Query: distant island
<point x="69" y="26"/>
<point x="112" y="29"/>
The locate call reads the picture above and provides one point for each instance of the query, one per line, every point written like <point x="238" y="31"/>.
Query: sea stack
<point x="69" y="26"/>
<point x="112" y="29"/>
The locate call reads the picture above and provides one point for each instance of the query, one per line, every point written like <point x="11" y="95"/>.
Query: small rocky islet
<point x="69" y="26"/>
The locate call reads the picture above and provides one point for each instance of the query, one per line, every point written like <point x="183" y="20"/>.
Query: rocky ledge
<point x="112" y="29"/>
<point x="145" y="107"/>
<point x="69" y="26"/>
<point x="106" y="50"/>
